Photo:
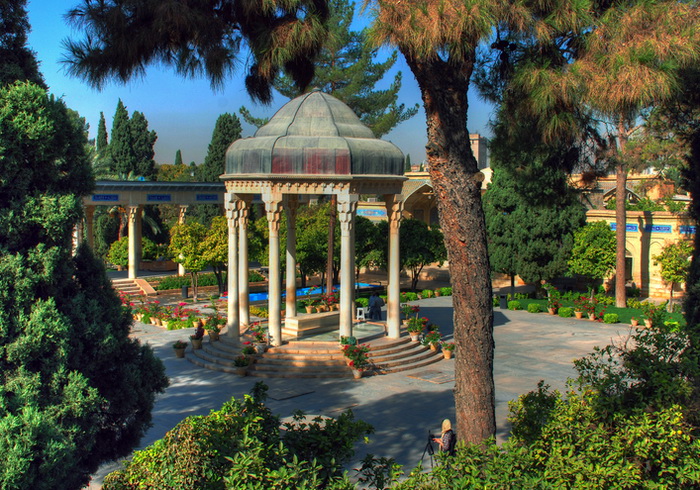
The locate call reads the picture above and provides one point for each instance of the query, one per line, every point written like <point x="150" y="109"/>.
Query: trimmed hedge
<point x="533" y="308"/>
<point x="514" y="305"/>
<point x="610" y="318"/>
<point x="566" y="312"/>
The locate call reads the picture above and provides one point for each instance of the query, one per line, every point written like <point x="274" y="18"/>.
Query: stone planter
<point x="357" y="374"/>
<point x="414" y="336"/>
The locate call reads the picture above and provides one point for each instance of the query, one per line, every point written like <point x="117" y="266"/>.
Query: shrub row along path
<point x="529" y="347"/>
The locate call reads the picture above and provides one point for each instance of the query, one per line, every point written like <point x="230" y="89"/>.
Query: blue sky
<point x="183" y="112"/>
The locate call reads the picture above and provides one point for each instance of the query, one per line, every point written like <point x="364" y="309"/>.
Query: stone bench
<point x="310" y="324"/>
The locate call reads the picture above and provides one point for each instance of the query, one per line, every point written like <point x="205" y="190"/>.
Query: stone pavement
<point x="402" y="409"/>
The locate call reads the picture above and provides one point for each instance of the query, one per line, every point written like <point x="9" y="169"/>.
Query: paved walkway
<point x="529" y="347"/>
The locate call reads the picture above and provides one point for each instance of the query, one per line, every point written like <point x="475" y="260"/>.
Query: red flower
<point x="247" y="342"/>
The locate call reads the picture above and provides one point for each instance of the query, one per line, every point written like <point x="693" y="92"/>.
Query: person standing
<point x="375" y="306"/>
<point x="447" y="439"/>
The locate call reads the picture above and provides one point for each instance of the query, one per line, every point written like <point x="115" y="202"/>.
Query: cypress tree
<point x="120" y="150"/>
<point x="101" y="142"/>
<point x="178" y="157"/>
<point x="226" y="131"/>
<point x="142" y="142"/>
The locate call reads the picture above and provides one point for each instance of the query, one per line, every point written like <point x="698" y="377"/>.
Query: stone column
<point x="273" y="209"/>
<point x="181" y="219"/>
<point x="232" y="319"/>
<point x="90" y="225"/>
<point x="347" y="206"/>
<point x="291" y="204"/>
<point x="134" y="217"/>
<point x="394" y="208"/>
<point x="243" y="289"/>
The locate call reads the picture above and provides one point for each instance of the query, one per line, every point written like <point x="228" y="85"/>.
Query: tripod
<point x="428" y="449"/>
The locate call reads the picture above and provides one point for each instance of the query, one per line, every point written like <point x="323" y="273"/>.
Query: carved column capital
<point x="182" y="211"/>
<point x="394" y="211"/>
<point x="273" y="210"/>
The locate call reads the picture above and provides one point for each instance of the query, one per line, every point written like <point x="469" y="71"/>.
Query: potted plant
<point x="347" y="340"/>
<point x="653" y="314"/>
<point x="213" y="327"/>
<point x="248" y="349"/>
<point x="198" y="337"/>
<point x="432" y="338"/>
<point x="259" y="337"/>
<point x="553" y="298"/>
<point x="415" y="327"/>
<point x="634" y="322"/>
<point x="180" y="347"/>
<point x="309" y="302"/>
<point x="357" y="357"/>
<point x="447" y="349"/>
<point x="241" y="363"/>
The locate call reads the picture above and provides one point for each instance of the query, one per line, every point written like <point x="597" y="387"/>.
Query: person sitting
<point x="447" y="439"/>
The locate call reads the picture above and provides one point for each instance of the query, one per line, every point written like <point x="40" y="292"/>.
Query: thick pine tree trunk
<point x="457" y="184"/>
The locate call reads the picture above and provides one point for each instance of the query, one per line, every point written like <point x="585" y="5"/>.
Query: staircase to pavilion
<point x="133" y="286"/>
<point x="316" y="359"/>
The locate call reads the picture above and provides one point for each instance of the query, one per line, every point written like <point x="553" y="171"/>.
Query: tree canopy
<point x="17" y="61"/>
<point x="593" y="254"/>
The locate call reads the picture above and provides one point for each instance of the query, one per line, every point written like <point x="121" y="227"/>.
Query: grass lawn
<point x="624" y="314"/>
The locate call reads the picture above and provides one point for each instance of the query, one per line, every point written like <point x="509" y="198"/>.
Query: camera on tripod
<point x="431" y="437"/>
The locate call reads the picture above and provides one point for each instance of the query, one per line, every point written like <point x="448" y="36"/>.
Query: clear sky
<point x="183" y="112"/>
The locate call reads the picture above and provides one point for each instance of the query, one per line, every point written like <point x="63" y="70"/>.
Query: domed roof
<point x="314" y="134"/>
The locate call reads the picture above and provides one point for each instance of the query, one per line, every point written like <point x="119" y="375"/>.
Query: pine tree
<point x="345" y="68"/>
<point x="76" y="390"/>
<point x="17" y="61"/>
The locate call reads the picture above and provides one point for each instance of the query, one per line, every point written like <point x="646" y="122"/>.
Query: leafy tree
<point x="593" y="254"/>
<point x="216" y="249"/>
<point x="419" y="246"/>
<point x="17" y="61"/>
<point x="674" y="261"/>
<point x="370" y="244"/>
<point x="187" y="247"/>
<point x="173" y="173"/>
<point x="345" y="68"/>
<point x="178" y="158"/>
<point x="76" y="390"/>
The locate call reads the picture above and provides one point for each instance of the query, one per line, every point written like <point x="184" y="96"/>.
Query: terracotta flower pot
<point x="447" y="354"/>
<point x="241" y="371"/>
<point x="578" y="314"/>
<point x="552" y="311"/>
<point x="414" y="336"/>
<point x="309" y="309"/>
<point x="213" y="336"/>
<point x="356" y="373"/>
<point x="180" y="353"/>
<point x="196" y="344"/>
<point x="647" y="323"/>
<point x="433" y="346"/>
<point x="591" y="317"/>
<point x="634" y="323"/>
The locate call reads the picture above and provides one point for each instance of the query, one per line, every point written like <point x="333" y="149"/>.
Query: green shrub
<point x="634" y="303"/>
<point x="427" y="293"/>
<point x="534" y="308"/>
<point x="496" y="301"/>
<point x="410" y="296"/>
<point x="610" y="318"/>
<point x="514" y="305"/>
<point x="242" y="443"/>
<point x="566" y="312"/>
<point x="119" y="252"/>
<point x="446" y="291"/>
<point x="362" y="302"/>
<point x="255" y="276"/>
<point x="258" y="311"/>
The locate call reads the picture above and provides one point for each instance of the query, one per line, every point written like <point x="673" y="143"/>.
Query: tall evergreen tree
<point x="346" y="69"/>
<point x="121" y="152"/>
<point x="142" y="142"/>
<point x="17" y="61"/>
<point x="76" y="390"/>
<point x="101" y="142"/>
<point x="226" y="130"/>
<point x="178" y="157"/>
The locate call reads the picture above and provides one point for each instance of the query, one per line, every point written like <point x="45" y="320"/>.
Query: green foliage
<point x="514" y="305"/>
<point x="178" y="158"/>
<point x="216" y="249"/>
<point x="240" y="443"/>
<point x="76" y="390"/>
<point x="101" y="140"/>
<point x="226" y="130"/>
<point x="187" y="245"/>
<point x="370" y="243"/>
<point x="380" y="473"/>
<point x="674" y="261"/>
<point x="565" y="312"/>
<point x="427" y="293"/>
<point x="610" y="318"/>
<point x="534" y="308"/>
<point x="420" y="246"/>
<point x="119" y="252"/>
<point x="176" y="282"/>
<point x="17" y="61"/>
<point x="131" y="144"/>
<point x="593" y="254"/>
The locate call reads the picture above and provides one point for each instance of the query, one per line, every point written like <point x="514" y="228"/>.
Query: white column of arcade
<point x="394" y="208"/>
<point x="134" y="217"/>
<point x="273" y="208"/>
<point x="347" y="206"/>
<point x="182" y="211"/>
